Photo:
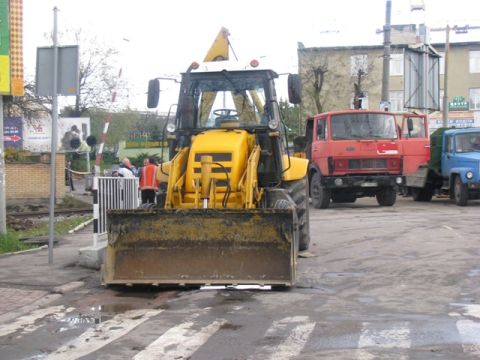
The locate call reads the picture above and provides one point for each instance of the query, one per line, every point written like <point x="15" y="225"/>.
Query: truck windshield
<point x="227" y="99"/>
<point x="467" y="142"/>
<point x="363" y="126"/>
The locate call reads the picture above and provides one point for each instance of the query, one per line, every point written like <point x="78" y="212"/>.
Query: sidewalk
<point x="27" y="278"/>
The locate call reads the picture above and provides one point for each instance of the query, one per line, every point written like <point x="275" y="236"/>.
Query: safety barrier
<point x="112" y="193"/>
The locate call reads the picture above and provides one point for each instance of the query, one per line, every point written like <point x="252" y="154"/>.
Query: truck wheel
<point x="319" y="194"/>
<point x="422" y="194"/>
<point x="298" y="191"/>
<point x="460" y="192"/>
<point x="386" y="196"/>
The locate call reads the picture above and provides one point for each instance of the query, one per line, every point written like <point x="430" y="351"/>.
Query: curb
<point x="24" y="251"/>
<point x="80" y="226"/>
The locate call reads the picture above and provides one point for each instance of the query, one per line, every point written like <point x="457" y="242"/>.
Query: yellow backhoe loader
<point x="233" y="204"/>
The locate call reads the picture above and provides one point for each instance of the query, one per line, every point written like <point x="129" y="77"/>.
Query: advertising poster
<point x="37" y="134"/>
<point x="13" y="132"/>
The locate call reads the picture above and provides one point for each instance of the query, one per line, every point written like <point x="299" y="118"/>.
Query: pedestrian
<point x="148" y="181"/>
<point x="125" y="169"/>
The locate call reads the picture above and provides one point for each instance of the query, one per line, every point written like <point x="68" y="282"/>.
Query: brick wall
<point x="32" y="181"/>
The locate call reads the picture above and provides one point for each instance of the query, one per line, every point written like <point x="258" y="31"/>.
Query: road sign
<point x="422" y="78"/>
<point x="67" y="73"/>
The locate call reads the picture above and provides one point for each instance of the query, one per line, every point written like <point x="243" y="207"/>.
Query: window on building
<point x="474" y="62"/>
<point x="363" y="101"/>
<point x="475" y="99"/>
<point x="358" y="63"/>
<point x="396" y="100"/>
<point x="441" y="63"/>
<point x="396" y="65"/>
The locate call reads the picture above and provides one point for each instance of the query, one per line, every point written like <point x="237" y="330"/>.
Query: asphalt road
<point x="382" y="283"/>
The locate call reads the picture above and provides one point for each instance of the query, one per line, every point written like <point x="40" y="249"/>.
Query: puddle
<point x="96" y="315"/>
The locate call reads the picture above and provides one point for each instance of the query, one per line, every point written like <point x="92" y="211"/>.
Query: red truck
<point x="352" y="153"/>
<point x="415" y="145"/>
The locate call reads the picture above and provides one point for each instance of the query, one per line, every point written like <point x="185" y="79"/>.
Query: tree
<point x="314" y="80"/>
<point x="30" y="106"/>
<point x="99" y="77"/>
<point x="291" y="118"/>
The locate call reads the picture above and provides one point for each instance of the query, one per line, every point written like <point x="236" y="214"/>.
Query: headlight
<point x="399" y="180"/>
<point x="171" y="127"/>
<point x="469" y="175"/>
<point x="273" y="124"/>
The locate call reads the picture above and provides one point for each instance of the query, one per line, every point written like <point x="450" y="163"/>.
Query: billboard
<point x="11" y="47"/>
<point x="37" y="134"/>
<point x="422" y="78"/>
<point x="457" y="119"/>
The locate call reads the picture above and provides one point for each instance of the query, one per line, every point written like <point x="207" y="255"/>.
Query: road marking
<point x="179" y="342"/>
<point x="26" y="323"/>
<point x="293" y="344"/>
<point x="470" y="335"/>
<point x="373" y="338"/>
<point x="103" y="334"/>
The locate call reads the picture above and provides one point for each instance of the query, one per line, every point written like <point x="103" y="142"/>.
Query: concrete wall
<point x="32" y="181"/>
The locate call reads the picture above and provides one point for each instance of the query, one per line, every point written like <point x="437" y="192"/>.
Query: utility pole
<point x="447" y="29"/>
<point x="445" y="78"/>
<point x="385" y="101"/>
<point x="53" y="150"/>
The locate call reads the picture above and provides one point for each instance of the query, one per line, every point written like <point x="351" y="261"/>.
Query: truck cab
<point x="353" y="153"/>
<point x="460" y="163"/>
<point x="414" y="140"/>
<point x="453" y="168"/>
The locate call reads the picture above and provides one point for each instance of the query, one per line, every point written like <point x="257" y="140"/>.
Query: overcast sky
<point x="166" y="36"/>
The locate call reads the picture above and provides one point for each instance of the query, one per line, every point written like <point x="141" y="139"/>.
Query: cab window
<point x="321" y="130"/>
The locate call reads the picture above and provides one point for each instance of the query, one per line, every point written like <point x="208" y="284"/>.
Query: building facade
<point x="333" y="77"/>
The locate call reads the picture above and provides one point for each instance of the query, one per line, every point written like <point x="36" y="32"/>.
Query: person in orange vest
<point x="148" y="181"/>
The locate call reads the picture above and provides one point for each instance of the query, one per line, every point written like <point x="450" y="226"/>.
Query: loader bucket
<point x="201" y="247"/>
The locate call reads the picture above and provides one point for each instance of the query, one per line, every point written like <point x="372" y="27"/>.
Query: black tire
<point x="386" y="196"/>
<point x="319" y="194"/>
<point x="460" y="192"/>
<point x="298" y="191"/>
<point x="424" y="194"/>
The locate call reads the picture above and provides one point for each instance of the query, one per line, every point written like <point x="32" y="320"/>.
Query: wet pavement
<point x="381" y="283"/>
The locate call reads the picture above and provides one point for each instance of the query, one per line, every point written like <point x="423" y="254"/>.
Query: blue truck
<point x="453" y="169"/>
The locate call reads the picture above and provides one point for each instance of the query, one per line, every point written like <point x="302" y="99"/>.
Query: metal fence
<point x="112" y="193"/>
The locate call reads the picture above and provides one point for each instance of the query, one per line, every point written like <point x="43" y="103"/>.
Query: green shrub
<point x="9" y="242"/>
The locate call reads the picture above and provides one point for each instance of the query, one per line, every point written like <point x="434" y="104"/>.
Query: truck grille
<point x="367" y="164"/>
